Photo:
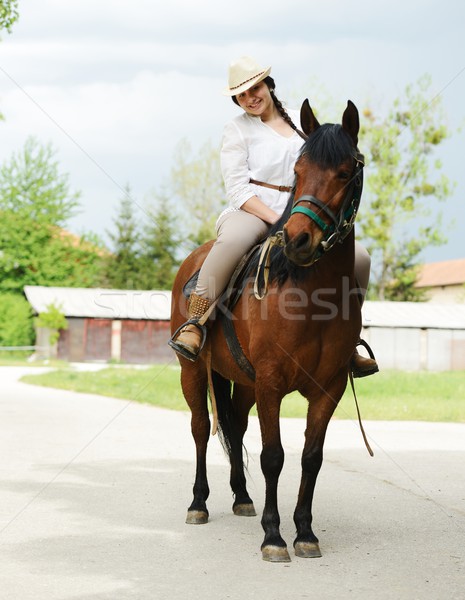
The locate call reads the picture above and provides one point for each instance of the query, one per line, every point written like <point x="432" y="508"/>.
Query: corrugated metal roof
<point x="447" y="272"/>
<point x="102" y="303"/>
<point x="428" y="315"/>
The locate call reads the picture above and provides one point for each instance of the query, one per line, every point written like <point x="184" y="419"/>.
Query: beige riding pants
<point x="237" y="232"/>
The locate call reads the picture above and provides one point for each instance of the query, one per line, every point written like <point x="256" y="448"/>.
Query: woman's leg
<point x="362" y="366"/>
<point x="362" y="268"/>
<point x="237" y="232"/>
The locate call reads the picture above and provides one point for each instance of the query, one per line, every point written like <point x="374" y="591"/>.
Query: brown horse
<point x="300" y="336"/>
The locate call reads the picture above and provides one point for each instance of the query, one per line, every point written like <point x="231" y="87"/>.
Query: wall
<point x="131" y="341"/>
<point x="412" y="349"/>
<point x="446" y="294"/>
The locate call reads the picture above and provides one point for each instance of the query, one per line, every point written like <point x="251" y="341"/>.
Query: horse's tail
<point x="228" y="432"/>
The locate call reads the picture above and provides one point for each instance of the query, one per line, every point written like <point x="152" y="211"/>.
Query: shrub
<point x="16" y="325"/>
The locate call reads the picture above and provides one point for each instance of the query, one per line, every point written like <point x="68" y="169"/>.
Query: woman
<point x="259" y="151"/>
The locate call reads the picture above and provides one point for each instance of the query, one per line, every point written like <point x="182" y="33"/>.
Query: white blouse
<point x="251" y="149"/>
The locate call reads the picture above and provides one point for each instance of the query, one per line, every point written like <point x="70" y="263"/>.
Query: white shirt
<point x="251" y="149"/>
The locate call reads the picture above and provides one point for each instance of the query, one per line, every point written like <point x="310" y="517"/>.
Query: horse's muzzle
<point x="299" y="249"/>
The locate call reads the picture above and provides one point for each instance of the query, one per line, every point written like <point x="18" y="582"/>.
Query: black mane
<point x="328" y="146"/>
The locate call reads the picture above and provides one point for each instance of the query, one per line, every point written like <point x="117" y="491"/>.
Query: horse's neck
<point x="335" y="269"/>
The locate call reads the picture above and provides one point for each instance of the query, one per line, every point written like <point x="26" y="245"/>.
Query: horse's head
<point x="328" y="186"/>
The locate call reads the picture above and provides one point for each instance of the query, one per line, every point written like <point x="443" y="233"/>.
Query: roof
<point x="102" y="303"/>
<point x="447" y="272"/>
<point x="156" y="305"/>
<point x="423" y="315"/>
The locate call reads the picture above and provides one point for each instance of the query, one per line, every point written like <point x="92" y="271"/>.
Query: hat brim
<point x="247" y="85"/>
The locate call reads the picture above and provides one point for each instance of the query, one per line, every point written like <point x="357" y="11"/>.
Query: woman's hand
<point x="256" y="207"/>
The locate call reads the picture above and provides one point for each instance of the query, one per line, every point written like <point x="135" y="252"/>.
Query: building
<point x="443" y="281"/>
<point x="134" y="327"/>
<point x="416" y="336"/>
<point x="103" y="324"/>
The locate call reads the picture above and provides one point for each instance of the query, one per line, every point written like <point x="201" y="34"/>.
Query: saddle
<point x="226" y="303"/>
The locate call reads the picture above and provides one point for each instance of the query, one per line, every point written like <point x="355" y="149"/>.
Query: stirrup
<point x="180" y="349"/>
<point x="370" y="371"/>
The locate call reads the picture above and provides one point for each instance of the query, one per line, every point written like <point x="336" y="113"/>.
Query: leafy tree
<point x="35" y="203"/>
<point x="123" y="265"/>
<point x="8" y="14"/>
<point x="403" y="179"/>
<point x="31" y="184"/>
<point x="16" y="327"/>
<point x="53" y="319"/>
<point x="197" y="184"/>
<point x="159" y="245"/>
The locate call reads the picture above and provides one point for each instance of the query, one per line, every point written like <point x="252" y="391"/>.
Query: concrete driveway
<point x="94" y="492"/>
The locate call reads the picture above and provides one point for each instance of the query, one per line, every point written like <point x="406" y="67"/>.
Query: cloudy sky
<point x="116" y="85"/>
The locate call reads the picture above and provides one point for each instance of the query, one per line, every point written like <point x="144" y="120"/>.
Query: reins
<point x="270" y="242"/>
<point x="365" y="439"/>
<point x="339" y="228"/>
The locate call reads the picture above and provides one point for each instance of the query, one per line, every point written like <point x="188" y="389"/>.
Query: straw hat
<point x="244" y="72"/>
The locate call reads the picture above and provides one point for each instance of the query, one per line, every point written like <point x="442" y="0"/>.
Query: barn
<point x="134" y="327"/>
<point x="131" y="326"/>
<point x="416" y="336"/>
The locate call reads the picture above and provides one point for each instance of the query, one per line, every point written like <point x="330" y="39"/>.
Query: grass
<point x="394" y="395"/>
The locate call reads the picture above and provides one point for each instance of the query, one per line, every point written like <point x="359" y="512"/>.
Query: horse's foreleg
<point x="319" y="414"/>
<point x="243" y="400"/>
<point x="274" y="547"/>
<point x="194" y="385"/>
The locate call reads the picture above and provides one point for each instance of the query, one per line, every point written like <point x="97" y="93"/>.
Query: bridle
<point x="341" y="224"/>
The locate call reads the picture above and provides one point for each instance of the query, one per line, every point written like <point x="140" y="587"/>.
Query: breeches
<point x="237" y="232"/>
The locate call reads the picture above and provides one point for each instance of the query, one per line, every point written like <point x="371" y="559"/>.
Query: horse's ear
<point x="350" y="121"/>
<point x="307" y="118"/>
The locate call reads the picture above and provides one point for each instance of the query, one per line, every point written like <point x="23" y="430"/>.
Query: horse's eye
<point x="343" y="174"/>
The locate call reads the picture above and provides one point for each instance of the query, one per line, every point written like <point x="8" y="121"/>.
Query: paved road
<point x="94" y="491"/>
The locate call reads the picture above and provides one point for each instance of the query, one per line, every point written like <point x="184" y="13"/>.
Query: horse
<point x="299" y="334"/>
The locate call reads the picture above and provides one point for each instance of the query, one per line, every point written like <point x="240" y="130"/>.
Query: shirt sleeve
<point x="234" y="166"/>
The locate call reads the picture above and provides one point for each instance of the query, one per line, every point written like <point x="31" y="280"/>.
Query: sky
<point x="115" y="86"/>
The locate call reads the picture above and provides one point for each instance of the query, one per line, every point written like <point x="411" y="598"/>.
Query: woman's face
<point x="257" y="100"/>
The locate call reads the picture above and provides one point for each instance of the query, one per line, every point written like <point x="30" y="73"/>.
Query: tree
<point x="123" y="264"/>
<point x="197" y="184"/>
<point x="396" y="219"/>
<point x="16" y="328"/>
<point x="54" y="320"/>
<point x="159" y="245"/>
<point x="8" y="14"/>
<point x="35" y="203"/>
<point x="31" y="184"/>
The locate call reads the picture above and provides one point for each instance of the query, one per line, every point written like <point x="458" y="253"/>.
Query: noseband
<point x="342" y="222"/>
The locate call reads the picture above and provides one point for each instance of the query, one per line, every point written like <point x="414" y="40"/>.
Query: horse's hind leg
<point x="194" y="386"/>
<point x="243" y="400"/>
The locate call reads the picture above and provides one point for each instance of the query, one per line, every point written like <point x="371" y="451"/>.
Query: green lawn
<point x="391" y="395"/>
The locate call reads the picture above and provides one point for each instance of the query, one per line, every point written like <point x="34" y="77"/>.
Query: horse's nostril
<point x="302" y="240"/>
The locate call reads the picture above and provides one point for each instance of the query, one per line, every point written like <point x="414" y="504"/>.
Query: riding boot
<point x="191" y="336"/>
<point x="362" y="366"/>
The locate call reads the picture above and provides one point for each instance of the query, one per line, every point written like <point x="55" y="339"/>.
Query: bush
<point x="16" y="326"/>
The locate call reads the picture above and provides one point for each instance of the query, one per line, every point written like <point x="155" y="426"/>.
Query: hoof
<point x="307" y="549"/>
<point x="196" y="517"/>
<point x="244" y="510"/>
<point x="275" y="554"/>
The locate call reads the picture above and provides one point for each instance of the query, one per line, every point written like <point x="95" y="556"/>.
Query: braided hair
<point x="269" y="81"/>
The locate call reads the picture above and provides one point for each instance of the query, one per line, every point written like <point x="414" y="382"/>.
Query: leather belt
<point x="280" y="188"/>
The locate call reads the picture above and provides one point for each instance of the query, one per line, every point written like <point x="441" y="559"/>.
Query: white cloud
<point x="127" y="81"/>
